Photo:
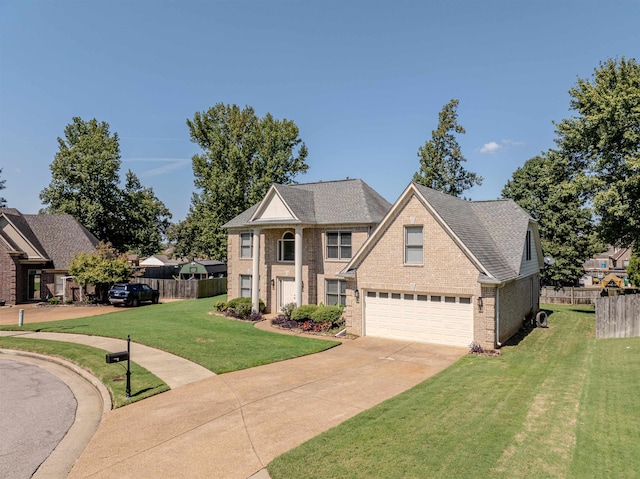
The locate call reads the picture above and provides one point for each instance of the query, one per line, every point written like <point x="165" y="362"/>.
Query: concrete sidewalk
<point x="172" y="369"/>
<point x="233" y="425"/>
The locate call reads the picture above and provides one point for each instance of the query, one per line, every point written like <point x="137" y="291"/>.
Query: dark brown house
<point x="35" y="253"/>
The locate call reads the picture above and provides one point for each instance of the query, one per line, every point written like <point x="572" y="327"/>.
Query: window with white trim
<point x="413" y="245"/>
<point x="59" y="287"/>
<point x="245" y="285"/>
<point x="335" y="292"/>
<point x="245" y="245"/>
<point x="338" y="245"/>
<point x="287" y="247"/>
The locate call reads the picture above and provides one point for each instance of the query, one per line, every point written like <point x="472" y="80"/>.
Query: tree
<point x="545" y="188"/>
<point x="85" y="177"/>
<point x="603" y="140"/>
<point x="101" y="268"/>
<point x="148" y="216"/>
<point x="243" y="156"/>
<point x="3" y="202"/>
<point x="441" y="159"/>
<point x="633" y="269"/>
<point x="85" y="183"/>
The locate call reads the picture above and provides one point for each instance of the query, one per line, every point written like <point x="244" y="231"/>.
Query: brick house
<point x="431" y="268"/>
<point x="35" y="253"/>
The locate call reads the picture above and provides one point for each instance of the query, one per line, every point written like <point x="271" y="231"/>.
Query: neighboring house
<point x="159" y="260"/>
<point x="614" y="260"/>
<point x="203" y="269"/>
<point x="35" y="253"/>
<point x="435" y="268"/>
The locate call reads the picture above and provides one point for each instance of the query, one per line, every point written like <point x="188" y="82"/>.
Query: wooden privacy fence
<point x="186" y="288"/>
<point x="618" y="316"/>
<point x="551" y="295"/>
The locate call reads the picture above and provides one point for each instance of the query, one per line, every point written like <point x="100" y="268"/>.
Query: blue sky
<point x="363" y="80"/>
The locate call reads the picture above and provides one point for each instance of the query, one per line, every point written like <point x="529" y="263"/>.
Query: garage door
<point x="426" y="318"/>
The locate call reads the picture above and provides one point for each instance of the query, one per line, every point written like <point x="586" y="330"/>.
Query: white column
<point x="255" y="278"/>
<point x="298" y="265"/>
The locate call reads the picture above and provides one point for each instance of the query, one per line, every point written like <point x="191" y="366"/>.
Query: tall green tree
<point x="441" y="159"/>
<point x="86" y="184"/>
<point x="3" y="202"/>
<point x="148" y="216"/>
<point x="242" y="156"/>
<point x="85" y="177"/>
<point x="545" y="187"/>
<point x="603" y="139"/>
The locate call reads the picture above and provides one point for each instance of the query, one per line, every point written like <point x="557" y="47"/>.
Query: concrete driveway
<point x="233" y="425"/>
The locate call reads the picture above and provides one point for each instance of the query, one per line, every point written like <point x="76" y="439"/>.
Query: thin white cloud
<point x="490" y="147"/>
<point x="170" y="164"/>
<point x="513" y="143"/>
<point x="493" y="146"/>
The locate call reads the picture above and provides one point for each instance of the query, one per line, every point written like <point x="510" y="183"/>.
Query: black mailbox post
<point x="123" y="356"/>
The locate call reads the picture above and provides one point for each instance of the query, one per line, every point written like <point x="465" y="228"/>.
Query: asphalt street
<point x="36" y="411"/>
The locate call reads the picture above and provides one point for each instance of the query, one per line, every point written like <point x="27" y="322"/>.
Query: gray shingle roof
<point x="57" y="237"/>
<point x="330" y="202"/>
<point x="493" y="231"/>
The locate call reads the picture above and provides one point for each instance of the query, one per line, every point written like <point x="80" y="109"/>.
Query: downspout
<point x="498" y="343"/>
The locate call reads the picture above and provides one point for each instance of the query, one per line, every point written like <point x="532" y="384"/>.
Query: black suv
<point x="132" y="294"/>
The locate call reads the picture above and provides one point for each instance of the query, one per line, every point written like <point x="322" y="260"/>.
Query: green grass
<point x="556" y="404"/>
<point x="186" y="329"/>
<point x="143" y="383"/>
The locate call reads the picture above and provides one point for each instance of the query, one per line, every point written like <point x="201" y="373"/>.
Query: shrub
<point x="287" y="309"/>
<point x="278" y="320"/>
<point x="243" y="310"/>
<point x="332" y="314"/>
<point x="220" y="306"/>
<point x="255" y="316"/>
<point x="476" y="348"/>
<point x="54" y="300"/>
<point x="282" y="321"/>
<point x="303" y="312"/>
<point x="237" y="301"/>
<point x="68" y="301"/>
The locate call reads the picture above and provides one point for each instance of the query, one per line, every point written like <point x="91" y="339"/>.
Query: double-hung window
<point x="336" y="292"/>
<point x="245" y="285"/>
<point x="287" y="247"/>
<point x="413" y="245"/>
<point x="338" y="245"/>
<point x="245" y="245"/>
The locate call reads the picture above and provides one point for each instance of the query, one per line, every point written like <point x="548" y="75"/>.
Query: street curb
<point x="86" y="375"/>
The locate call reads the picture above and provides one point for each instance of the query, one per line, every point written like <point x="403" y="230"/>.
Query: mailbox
<point x="117" y="357"/>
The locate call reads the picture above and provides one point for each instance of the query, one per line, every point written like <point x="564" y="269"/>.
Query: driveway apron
<point x="233" y="425"/>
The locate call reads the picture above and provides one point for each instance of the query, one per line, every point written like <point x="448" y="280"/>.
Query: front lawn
<point x="186" y="329"/>
<point x="558" y="404"/>
<point x="113" y="376"/>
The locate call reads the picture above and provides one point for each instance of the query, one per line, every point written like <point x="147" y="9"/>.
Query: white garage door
<point x="426" y="318"/>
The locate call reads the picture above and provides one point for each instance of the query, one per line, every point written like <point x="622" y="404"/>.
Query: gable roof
<point x="56" y="238"/>
<point x="331" y="202"/>
<point x="491" y="233"/>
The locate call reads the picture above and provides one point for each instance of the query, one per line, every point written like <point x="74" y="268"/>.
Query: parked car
<point x="132" y="294"/>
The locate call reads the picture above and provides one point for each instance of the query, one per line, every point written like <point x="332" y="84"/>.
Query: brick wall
<point x="517" y="300"/>
<point x="315" y="269"/>
<point x="8" y="265"/>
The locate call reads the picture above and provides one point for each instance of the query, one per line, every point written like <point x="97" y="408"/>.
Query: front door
<point x="34" y="284"/>
<point x="287" y="292"/>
